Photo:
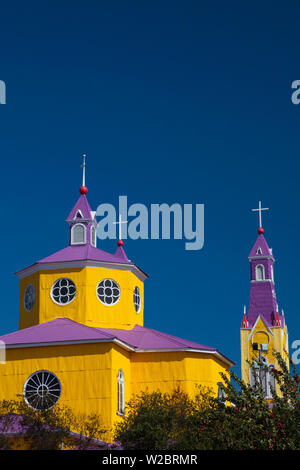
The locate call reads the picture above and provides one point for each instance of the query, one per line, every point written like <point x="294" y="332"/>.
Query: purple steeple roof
<point x="83" y="215"/>
<point x="263" y="300"/>
<point x="82" y="206"/>
<point x="260" y="248"/>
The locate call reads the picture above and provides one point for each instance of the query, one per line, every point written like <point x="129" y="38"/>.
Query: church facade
<point x="82" y="341"/>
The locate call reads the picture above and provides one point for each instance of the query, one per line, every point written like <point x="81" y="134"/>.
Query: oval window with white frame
<point x="137" y="299"/>
<point x="29" y="297"/>
<point x="63" y="291"/>
<point x="108" y="292"/>
<point x="42" y="390"/>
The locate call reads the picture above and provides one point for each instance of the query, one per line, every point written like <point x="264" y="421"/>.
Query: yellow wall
<point x="276" y="338"/>
<point x="84" y="371"/>
<point x="86" y="308"/>
<point x="89" y="374"/>
<point x="165" y="371"/>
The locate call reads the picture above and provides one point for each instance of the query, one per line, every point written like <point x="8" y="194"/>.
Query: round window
<point x="29" y="297"/>
<point x="108" y="292"/>
<point x="63" y="291"/>
<point x="137" y="299"/>
<point x="42" y="390"/>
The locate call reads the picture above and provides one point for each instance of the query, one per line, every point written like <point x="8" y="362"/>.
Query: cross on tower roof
<point x="120" y="242"/>
<point x="259" y="210"/>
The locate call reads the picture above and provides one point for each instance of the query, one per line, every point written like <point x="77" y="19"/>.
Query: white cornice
<point x="123" y="345"/>
<point x="50" y="266"/>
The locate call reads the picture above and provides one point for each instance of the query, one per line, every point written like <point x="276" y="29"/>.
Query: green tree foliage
<point x="22" y="427"/>
<point x="156" y="421"/>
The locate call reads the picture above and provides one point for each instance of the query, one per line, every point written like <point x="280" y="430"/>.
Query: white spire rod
<point x="83" y="170"/>
<point x="260" y="209"/>
<point x="120" y="225"/>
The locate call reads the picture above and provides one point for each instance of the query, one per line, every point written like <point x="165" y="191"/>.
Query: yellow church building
<point x="82" y="341"/>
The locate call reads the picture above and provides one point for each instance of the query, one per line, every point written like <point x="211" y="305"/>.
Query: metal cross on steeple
<point x="260" y="209"/>
<point x="120" y="225"/>
<point x="83" y="169"/>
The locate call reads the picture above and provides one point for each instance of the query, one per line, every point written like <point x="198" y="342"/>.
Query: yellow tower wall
<point x="275" y="337"/>
<point x="86" y="308"/>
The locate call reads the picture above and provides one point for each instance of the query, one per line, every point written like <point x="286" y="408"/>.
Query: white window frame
<point x="117" y="286"/>
<point x="72" y="234"/>
<point x="140" y="299"/>
<point x="29" y="286"/>
<point x="272" y="273"/>
<point x="263" y="272"/>
<point x="93" y="230"/>
<point x="121" y="392"/>
<point x="221" y="393"/>
<point x="51" y="292"/>
<point x="267" y="379"/>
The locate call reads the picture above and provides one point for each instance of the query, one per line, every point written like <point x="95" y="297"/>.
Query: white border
<point x="72" y="237"/>
<point x="48" y="266"/>
<point x="140" y="306"/>
<point x="93" y="228"/>
<point x="123" y="345"/>
<point x="37" y="371"/>
<point x="108" y="279"/>
<point x="57" y="303"/>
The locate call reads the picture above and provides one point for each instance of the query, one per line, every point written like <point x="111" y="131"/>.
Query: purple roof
<point x="264" y="248"/>
<point x="64" y="330"/>
<point x="83" y="206"/>
<point x="86" y="252"/>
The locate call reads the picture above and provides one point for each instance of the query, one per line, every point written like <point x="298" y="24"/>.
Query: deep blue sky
<point x="184" y="102"/>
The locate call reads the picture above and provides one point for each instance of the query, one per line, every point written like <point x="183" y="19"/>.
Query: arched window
<point x="78" y="234"/>
<point x="93" y="236"/>
<point x="121" y="392"/>
<point x="259" y="272"/>
<point x="221" y="393"/>
<point x="271" y="380"/>
<point x="260" y="374"/>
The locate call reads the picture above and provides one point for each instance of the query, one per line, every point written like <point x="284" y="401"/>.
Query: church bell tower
<point x="263" y="328"/>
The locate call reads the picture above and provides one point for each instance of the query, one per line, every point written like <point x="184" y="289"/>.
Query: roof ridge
<point x="69" y="320"/>
<point x="85" y="326"/>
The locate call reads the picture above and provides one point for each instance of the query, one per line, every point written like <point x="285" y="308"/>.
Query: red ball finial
<point x="120" y="243"/>
<point x="83" y="190"/>
<point x="260" y="231"/>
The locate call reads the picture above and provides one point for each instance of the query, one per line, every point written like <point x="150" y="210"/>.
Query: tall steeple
<point x="263" y="329"/>
<point x="263" y="300"/>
